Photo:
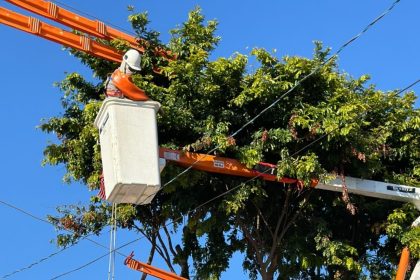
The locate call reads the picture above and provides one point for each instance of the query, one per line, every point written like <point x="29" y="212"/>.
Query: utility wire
<point x="35" y="263"/>
<point x="409" y="86"/>
<point x="216" y="197"/>
<point x="53" y="254"/>
<point x="298" y="83"/>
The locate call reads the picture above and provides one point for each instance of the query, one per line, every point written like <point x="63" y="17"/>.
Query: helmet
<point x="132" y="58"/>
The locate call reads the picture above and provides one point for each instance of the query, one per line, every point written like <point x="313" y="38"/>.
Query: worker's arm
<point x="124" y="83"/>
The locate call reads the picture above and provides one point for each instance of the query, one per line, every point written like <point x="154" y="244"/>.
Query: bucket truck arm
<point x="95" y="28"/>
<point x="148" y="269"/>
<point x="35" y="26"/>
<point x="80" y="42"/>
<point x="268" y="172"/>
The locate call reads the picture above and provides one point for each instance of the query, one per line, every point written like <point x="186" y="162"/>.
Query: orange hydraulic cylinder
<point x="403" y="265"/>
<point x="148" y="269"/>
<point x="52" y="33"/>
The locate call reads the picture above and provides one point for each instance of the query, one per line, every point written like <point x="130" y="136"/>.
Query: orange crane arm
<point x="148" y="269"/>
<point x="35" y="26"/>
<point x="403" y="264"/>
<point x="95" y="28"/>
<point x="228" y="166"/>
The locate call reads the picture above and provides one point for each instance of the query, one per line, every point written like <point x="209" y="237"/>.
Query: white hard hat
<point x="132" y="58"/>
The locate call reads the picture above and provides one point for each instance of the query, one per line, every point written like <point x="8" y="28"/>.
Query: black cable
<point x="36" y="263"/>
<point x="411" y="85"/>
<point x="53" y="254"/>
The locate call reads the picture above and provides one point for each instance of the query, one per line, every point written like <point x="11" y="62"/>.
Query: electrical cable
<point x="53" y="254"/>
<point x="35" y="263"/>
<point x="298" y="83"/>
<point x="409" y="86"/>
<point x="214" y="198"/>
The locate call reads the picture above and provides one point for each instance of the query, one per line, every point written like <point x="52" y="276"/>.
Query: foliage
<point x="288" y="231"/>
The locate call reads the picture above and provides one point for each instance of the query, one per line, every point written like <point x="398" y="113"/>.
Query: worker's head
<point x="131" y="62"/>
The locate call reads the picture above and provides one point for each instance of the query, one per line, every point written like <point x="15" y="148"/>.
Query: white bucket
<point x="129" y="150"/>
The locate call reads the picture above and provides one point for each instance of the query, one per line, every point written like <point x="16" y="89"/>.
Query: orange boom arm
<point x="58" y="35"/>
<point x="148" y="269"/>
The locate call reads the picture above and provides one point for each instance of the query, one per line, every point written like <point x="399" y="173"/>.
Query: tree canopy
<point x="331" y="123"/>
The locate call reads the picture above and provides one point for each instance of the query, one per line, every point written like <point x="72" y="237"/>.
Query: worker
<point x="120" y="84"/>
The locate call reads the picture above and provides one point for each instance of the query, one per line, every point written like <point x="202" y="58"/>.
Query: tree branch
<point x="151" y="255"/>
<point x="273" y="265"/>
<point x="279" y="222"/>
<point x="253" y="243"/>
<point x="264" y="220"/>
<point x="168" y="237"/>
<point x="165" y="250"/>
<point x="158" y="248"/>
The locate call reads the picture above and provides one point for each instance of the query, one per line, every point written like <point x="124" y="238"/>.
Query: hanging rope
<point x="112" y="242"/>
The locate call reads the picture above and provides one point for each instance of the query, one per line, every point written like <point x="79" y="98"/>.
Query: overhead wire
<point x="409" y="86"/>
<point x="216" y="197"/>
<point x="53" y="254"/>
<point x="36" y="262"/>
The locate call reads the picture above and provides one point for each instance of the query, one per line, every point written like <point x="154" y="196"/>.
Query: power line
<point x="97" y="259"/>
<point x="36" y="263"/>
<point x="354" y="38"/>
<point x="53" y="254"/>
<point x="409" y="86"/>
<point x="24" y="212"/>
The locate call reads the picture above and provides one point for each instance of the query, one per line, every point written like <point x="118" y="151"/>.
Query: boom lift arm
<point x="80" y="42"/>
<point x="268" y="172"/>
<point x="148" y="269"/>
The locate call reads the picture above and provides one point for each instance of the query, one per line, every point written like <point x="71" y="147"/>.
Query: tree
<point x="285" y="231"/>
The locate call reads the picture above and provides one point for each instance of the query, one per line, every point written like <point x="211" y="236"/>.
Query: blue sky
<point x="389" y="52"/>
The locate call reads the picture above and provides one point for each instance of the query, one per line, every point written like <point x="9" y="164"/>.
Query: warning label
<point x="401" y="189"/>
<point x="219" y="164"/>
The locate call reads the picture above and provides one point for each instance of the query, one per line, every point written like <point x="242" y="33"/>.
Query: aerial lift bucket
<point x="129" y="150"/>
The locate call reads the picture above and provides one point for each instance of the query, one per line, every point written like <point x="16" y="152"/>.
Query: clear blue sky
<point x="389" y="52"/>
